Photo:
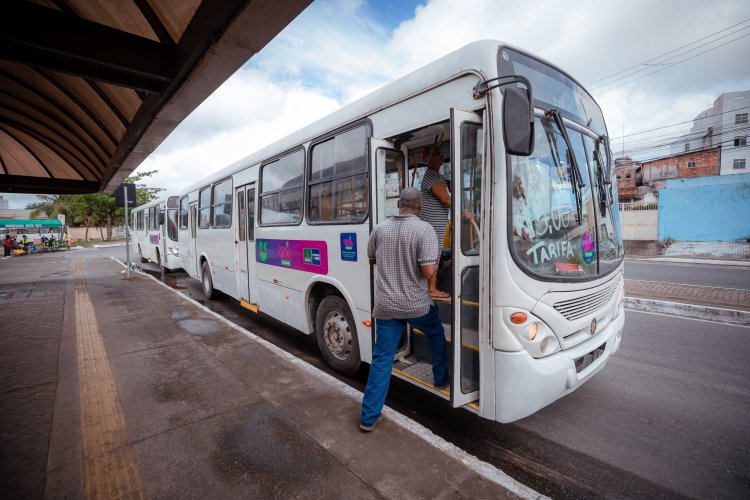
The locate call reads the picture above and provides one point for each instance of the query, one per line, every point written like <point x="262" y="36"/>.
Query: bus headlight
<point x="534" y="335"/>
<point x="174" y="251"/>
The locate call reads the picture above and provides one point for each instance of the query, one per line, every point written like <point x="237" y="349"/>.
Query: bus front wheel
<point x="140" y="254"/>
<point x="207" y="282"/>
<point x="336" y="333"/>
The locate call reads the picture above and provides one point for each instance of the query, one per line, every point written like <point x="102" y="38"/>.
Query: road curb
<point x="688" y="260"/>
<point x="718" y="314"/>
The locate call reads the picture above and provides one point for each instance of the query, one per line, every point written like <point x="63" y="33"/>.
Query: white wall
<point x="640" y="225"/>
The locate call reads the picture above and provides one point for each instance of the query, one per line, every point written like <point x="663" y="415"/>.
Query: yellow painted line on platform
<point x="109" y="470"/>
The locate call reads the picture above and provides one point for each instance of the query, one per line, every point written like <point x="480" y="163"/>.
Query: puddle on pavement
<point x="180" y="314"/>
<point x="199" y="327"/>
<point x="270" y="452"/>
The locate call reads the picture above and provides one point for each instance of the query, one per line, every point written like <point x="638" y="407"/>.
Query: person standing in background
<point x="436" y="204"/>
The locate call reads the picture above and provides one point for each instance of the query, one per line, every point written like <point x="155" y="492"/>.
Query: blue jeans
<point x="387" y="334"/>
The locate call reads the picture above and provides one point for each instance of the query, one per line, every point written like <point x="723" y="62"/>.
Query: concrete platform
<point x="122" y="388"/>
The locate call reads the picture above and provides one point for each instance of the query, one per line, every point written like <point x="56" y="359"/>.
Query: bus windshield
<point x="554" y="90"/>
<point x="564" y="220"/>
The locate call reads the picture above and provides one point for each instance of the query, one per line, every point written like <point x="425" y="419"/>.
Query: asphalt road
<point x="689" y="274"/>
<point x="668" y="417"/>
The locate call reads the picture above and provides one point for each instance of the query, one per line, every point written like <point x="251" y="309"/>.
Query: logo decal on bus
<point x="588" y="248"/>
<point x="285" y="255"/>
<point x="349" y="247"/>
<point x="301" y="255"/>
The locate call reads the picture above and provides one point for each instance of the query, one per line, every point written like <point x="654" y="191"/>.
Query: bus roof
<point x="29" y="223"/>
<point x="476" y="56"/>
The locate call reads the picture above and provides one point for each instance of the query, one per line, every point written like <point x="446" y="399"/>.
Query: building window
<point x="691" y="164"/>
<point x="740" y="118"/>
<point x="738" y="164"/>
<point x="740" y="141"/>
<point x="687" y="146"/>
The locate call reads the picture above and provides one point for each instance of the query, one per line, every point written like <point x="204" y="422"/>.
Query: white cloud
<point x="246" y="114"/>
<point x="337" y="51"/>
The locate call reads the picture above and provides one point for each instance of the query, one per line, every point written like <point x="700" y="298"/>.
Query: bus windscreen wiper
<point x="577" y="180"/>
<point x="601" y="182"/>
<point x="606" y="168"/>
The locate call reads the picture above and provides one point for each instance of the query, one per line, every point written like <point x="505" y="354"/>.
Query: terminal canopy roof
<point x="89" y="88"/>
<point x="28" y="223"/>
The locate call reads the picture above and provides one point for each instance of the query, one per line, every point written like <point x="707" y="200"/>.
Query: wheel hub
<point x="338" y="336"/>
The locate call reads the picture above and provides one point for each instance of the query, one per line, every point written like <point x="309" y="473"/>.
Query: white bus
<point x="535" y="277"/>
<point x="154" y="233"/>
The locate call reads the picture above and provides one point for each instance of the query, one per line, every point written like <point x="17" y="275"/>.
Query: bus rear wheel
<point x="206" y="282"/>
<point x="140" y="254"/>
<point x="336" y="333"/>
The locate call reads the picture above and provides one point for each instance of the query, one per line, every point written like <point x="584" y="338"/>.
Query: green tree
<point x="143" y="193"/>
<point x="51" y="204"/>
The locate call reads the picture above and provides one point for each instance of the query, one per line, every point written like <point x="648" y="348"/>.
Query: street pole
<point x="127" y="235"/>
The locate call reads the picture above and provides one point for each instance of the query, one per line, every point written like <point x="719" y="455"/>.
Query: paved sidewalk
<point x="728" y="305"/>
<point x="115" y="387"/>
<point x="725" y="250"/>
<point x="728" y="298"/>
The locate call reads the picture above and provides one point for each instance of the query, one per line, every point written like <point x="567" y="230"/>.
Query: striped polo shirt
<point x="433" y="211"/>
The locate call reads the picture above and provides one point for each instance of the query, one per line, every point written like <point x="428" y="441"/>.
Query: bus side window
<point x="338" y="179"/>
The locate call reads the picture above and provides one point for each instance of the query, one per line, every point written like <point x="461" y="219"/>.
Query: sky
<point x="623" y="51"/>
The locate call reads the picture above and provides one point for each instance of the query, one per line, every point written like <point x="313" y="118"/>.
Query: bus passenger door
<point x="467" y="151"/>
<point x="388" y="179"/>
<point x="192" y="260"/>
<point x="245" y="242"/>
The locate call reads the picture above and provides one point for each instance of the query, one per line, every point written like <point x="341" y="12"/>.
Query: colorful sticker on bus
<point x="349" y="247"/>
<point x="154" y="238"/>
<point x="301" y="255"/>
<point x="588" y="248"/>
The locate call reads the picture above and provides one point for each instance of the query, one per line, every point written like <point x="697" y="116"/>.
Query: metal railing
<point x="639" y="205"/>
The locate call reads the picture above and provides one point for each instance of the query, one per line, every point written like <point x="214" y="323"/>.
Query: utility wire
<point x="729" y="142"/>
<point x="666" y="53"/>
<point x="733" y="131"/>
<point x="670" y="66"/>
<point x="679" y="123"/>
<point x="676" y="139"/>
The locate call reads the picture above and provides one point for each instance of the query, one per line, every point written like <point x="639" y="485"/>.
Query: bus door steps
<point x="418" y="371"/>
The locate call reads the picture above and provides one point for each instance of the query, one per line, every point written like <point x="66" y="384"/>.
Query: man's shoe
<point x="368" y="428"/>
<point x="444" y="386"/>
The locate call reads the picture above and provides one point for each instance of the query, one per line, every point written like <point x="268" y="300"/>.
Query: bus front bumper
<point x="525" y="384"/>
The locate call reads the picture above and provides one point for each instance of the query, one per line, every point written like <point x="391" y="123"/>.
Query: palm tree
<point x="50" y="204"/>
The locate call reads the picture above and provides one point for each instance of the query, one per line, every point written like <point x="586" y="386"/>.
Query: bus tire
<point x="336" y="333"/>
<point x="140" y="254"/>
<point x="207" y="283"/>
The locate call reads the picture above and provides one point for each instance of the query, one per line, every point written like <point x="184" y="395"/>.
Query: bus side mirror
<point x="518" y="122"/>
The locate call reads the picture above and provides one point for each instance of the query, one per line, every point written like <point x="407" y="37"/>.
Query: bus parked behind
<point x="154" y="233"/>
